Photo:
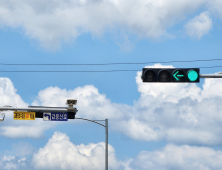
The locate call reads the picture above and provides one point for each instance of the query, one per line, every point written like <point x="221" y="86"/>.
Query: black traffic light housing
<point x="171" y="75"/>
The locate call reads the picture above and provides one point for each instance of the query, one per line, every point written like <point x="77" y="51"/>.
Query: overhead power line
<point x="98" y="64"/>
<point x="84" y="71"/>
<point x="72" y="71"/>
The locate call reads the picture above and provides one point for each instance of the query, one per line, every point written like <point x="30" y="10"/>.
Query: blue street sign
<point x="55" y="116"/>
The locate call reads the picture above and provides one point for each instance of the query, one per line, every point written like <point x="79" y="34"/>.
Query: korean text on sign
<point x="59" y="116"/>
<point x="24" y="115"/>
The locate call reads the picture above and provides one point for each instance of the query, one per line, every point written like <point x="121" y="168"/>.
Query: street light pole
<point x="106" y="131"/>
<point x="106" y="156"/>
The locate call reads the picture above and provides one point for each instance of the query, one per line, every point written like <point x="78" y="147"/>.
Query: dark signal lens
<point x="164" y="76"/>
<point x="149" y="76"/>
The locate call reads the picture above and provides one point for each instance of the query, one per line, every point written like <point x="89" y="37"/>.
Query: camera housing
<point x="71" y="102"/>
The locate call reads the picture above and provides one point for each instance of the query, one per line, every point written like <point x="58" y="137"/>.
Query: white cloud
<point x="178" y="157"/>
<point x="90" y="102"/>
<point x="199" y="25"/>
<point x="215" y="7"/>
<point x="8" y="94"/>
<point x="61" y="153"/>
<point x="18" y="128"/>
<point x="51" y="22"/>
<point x="69" y="155"/>
<point x="181" y="113"/>
<point x="9" y="162"/>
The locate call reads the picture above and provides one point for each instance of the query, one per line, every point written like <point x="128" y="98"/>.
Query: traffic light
<point x="171" y="75"/>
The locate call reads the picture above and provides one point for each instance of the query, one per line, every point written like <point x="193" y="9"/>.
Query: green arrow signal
<point x="176" y="76"/>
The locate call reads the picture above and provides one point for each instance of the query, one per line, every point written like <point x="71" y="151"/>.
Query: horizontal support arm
<point x="210" y="75"/>
<point x="38" y="109"/>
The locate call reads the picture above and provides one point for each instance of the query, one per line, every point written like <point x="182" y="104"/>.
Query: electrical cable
<point x="120" y="63"/>
<point x="92" y="71"/>
<point x="72" y="71"/>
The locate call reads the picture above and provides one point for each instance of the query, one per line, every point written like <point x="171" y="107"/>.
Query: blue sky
<point x="151" y="126"/>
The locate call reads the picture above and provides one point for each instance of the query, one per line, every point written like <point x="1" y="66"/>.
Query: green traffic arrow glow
<point x="176" y="76"/>
<point x="192" y="75"/>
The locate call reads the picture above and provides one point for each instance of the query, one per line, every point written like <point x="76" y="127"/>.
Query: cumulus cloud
<point x="69" y="155"/>
<point x="53" y="22"/>
<point x="181" y="113"/>
<point x="90" y="102"/>
<point x="8" y="94"/>
<point x="199" y="25"/>
<point x="178" y="157"/>
<point x="61" y="153"/>
<point x="18" y="128"/>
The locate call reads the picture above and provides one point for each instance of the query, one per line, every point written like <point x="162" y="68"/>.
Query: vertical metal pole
<point x="106" y="152"/>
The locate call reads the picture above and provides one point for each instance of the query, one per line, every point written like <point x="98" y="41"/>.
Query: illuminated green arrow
<point x="176" y="76"/>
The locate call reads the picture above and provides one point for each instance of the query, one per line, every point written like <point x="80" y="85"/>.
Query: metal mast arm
<point x="91" y="121"/>
<point x="211" y="75"/>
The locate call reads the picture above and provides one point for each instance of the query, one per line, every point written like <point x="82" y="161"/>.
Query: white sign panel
<point x="47" y="116"/>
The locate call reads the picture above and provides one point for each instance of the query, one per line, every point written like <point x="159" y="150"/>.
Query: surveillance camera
<point x="2" y="116"/>
<point x="71" y="102"/>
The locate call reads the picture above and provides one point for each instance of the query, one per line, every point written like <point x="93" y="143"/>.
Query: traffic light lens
<point x="192" y="75"/>
<point x="164" y="76"/>
<point x="178" y="76"/>
<point x="150" y="76"/>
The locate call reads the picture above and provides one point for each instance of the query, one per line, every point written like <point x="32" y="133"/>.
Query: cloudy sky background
<point x="151" y="125"/>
